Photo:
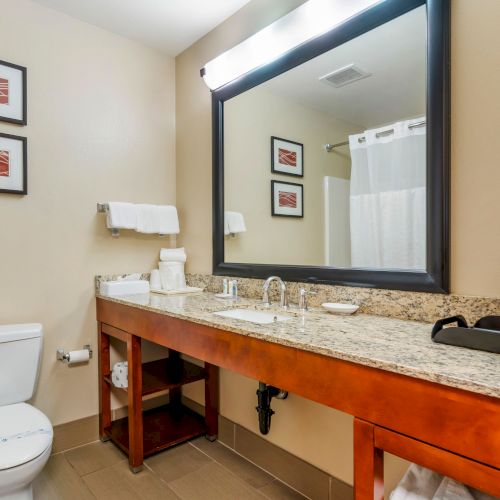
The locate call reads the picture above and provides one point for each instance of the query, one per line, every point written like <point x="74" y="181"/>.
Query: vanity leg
<point x="135" y="430"/>
<point x="212" y="401"/>
<point x="104" y="389"/>
<point x="368" y="463"/>
<point x="175" y="394"/>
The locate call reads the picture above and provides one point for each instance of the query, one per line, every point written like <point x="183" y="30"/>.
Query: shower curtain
<point x="387" y="198"/>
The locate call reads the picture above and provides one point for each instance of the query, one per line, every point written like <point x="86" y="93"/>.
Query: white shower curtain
<point x="387" y="199"/>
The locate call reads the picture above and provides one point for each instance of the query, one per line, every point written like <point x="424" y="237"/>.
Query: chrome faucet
<point x="283" y="292"/>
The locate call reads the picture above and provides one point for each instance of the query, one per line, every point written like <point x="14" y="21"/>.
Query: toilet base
<point x="25" y="493"/>
<point x="15" y="483"/>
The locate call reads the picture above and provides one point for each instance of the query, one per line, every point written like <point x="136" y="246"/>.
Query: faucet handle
<point x="303" y="293"/>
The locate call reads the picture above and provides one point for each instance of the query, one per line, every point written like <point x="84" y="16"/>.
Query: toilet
<point x="25" y="432"/>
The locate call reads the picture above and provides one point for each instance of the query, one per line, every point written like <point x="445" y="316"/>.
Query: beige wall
<point x="475" y="208"/>
<point x="101" y="118"/>
<point x="250" y="119"/>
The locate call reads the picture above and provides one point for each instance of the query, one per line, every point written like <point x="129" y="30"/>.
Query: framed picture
<point x="12" y="93"/>
<point x="13" y="164"/>
<point x="287" y="199"/>
<point x="287" y="157"/>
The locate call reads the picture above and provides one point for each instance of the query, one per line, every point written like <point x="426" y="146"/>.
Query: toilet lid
<point x="25" y="433"/>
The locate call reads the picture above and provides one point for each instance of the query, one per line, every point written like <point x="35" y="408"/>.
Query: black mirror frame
<point x="436" y="277"/>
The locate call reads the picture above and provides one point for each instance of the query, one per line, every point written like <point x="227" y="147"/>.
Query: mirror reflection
<point x="325" y="165"/>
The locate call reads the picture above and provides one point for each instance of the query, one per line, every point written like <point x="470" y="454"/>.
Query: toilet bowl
<point x="25" y="432"/>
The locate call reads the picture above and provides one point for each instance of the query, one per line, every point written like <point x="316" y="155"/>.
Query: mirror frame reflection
<point x="436" y="276"/>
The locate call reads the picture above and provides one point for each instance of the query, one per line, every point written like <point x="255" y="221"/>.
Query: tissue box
<point x="124" y="287"/>
<point x="119" y="374"/>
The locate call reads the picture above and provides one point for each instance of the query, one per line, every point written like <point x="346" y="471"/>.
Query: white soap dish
<point x="337" y="308"/>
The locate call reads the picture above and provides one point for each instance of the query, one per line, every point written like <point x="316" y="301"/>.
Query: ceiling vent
<point x="344" y="76"/>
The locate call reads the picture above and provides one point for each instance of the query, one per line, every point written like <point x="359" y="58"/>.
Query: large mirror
<point x="333" y="167"/>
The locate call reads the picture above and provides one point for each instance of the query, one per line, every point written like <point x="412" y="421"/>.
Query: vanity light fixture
<point x="308" y="21"/>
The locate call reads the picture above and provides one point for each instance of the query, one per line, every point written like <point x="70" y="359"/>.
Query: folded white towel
<point x="172" y="275"/>
<point x="420" y="483"/>
<point x="160" y="219"/>
<point x="173" y="255"/>
<point x="121" y="215"/>
<point x="169" y="221"/>
<point x="234" y="223"/>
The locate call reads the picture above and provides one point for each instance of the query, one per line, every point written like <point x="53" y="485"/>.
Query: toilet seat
<point x="25" y="433"/>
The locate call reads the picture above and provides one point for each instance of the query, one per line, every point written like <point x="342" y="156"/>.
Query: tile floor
<point x="198" y="470"/>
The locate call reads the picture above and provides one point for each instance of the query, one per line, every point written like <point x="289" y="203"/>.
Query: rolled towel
<point x="234" y="222"/>
<point x="119" y="374"/>
<point x="121" y="215"/>
<point x="173" y="255"/>
<point x="159" y="219"/>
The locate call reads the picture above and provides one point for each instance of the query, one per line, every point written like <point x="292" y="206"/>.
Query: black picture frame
<point x="24" y="118"/>
<point x="24" y="141"/>
<point x="274" y="211"/>
<point x="275" y="168"/>
<point x="435" y="278"/>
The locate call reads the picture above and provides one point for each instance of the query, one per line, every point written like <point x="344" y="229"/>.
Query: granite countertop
<point x="395" y="345"/>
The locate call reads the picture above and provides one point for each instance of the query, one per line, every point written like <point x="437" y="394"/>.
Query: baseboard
<point x="288" y="468"/>
<point x="75" y="433"/>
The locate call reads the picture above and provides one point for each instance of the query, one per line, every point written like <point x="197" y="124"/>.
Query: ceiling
<point x="395" y="55"/>
<point x="168" y="25"/>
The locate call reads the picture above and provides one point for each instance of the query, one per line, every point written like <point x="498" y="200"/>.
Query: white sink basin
<point x="261" y="317"/>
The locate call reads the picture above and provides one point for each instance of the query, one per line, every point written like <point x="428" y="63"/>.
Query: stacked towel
<point x="150" y="219"/>
<point x="173" y="255"/>
<point x="161" y="219"/>
<point x="171" y="267"/>
<point x="420" y="483"/>
<point x="172" y="275"/>
<point x="234" y="223"/>
<point x="121" y="215"/>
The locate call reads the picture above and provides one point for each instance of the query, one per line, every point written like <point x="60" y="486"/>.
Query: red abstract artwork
<point x="4" y="164"/>
<point x="4" y="91"/>
<point x="287" y="199"/>
<point x="287" y="157"/>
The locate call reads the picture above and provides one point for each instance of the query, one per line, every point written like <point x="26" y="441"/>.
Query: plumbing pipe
<point x="264" y="395"/>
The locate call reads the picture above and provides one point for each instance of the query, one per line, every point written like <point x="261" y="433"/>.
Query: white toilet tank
<point x="20" y="349"/>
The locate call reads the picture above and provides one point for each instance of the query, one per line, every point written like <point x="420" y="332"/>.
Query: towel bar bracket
<point x="103" y="208"/>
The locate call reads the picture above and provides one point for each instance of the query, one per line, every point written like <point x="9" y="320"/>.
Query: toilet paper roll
<point x="119" y="374"/>
<point x="78" y="356"/>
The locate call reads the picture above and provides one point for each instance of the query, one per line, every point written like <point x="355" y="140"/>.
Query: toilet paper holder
<point x="62" y="355"/>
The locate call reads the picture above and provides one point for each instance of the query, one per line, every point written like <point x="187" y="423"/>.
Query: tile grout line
<point x="228" y="470"/>
<point x="165" y="483"/>
<point x="75" y="447"/>
<point x="77" y="474"/>
<point x="249" y="461"/>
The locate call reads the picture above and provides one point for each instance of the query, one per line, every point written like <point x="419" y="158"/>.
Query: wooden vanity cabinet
<point x="143" y="433"/>
<point x="453" y="431"/>
<point x="370" y="442"/>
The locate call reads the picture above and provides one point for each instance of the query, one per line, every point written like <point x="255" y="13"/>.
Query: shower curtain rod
<point x="330" y="147"/>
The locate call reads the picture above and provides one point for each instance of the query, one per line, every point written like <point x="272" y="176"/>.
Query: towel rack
<point x="103" y="208"/>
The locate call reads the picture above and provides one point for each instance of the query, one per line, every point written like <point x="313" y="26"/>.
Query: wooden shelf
<point x="163" y="427"/>
<point x="166" y="374"/>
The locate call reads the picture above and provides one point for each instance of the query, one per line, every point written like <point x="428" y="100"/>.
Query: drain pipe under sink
<point x="264" y="395"/>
